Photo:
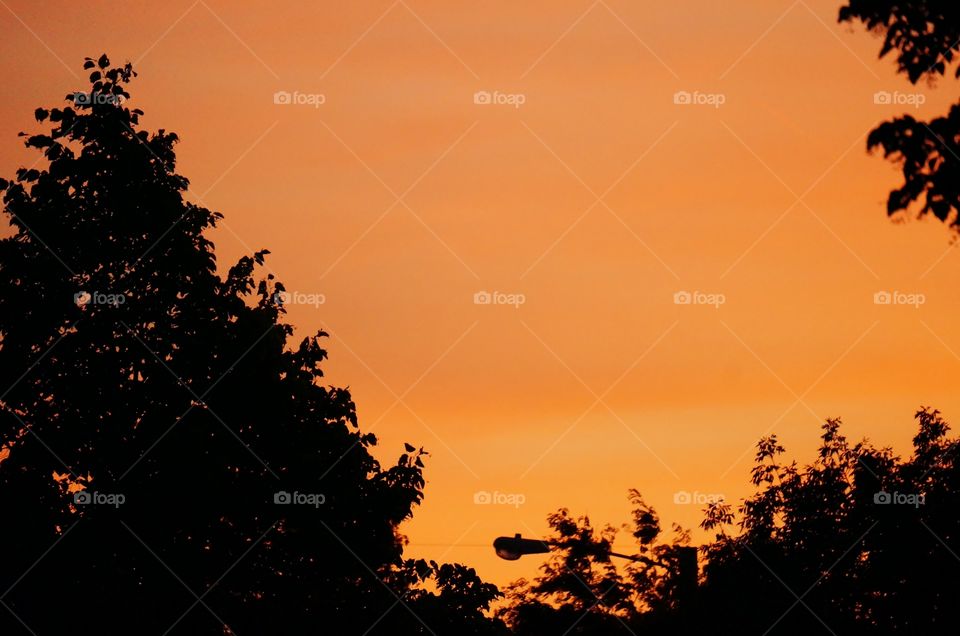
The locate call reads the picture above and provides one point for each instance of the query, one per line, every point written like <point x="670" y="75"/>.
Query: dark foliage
<point x="131" y="370"/>
<point x="925" y="34"/>
<point x="858" y="543"/>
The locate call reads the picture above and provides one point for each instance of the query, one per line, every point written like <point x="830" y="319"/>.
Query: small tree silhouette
<point x="858" y="542"/>
<point x="582" y="591"/>
<point x="168" y="461"/>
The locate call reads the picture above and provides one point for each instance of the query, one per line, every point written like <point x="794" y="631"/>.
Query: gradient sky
<point x="597" y="199"/>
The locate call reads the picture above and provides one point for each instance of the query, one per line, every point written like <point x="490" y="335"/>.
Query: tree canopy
<point x="169" y="459"/>
<point x="857" y="542"/>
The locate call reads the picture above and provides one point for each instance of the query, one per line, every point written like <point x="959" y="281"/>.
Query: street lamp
<point x="512" y="548"/>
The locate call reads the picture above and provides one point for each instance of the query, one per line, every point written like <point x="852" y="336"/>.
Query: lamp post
<point x="512" y="548"/>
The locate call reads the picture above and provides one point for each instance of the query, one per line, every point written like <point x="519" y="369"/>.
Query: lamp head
<point x="512" y="548"/>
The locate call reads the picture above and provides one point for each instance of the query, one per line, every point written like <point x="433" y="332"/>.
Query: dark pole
<point x="687" y="576"/>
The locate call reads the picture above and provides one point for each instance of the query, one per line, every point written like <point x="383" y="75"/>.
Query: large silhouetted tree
<point x="925" y="35"/>
<point x="168" y="460"/>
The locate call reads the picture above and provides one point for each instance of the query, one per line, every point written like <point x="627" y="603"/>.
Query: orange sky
<point x="597" y="199"/>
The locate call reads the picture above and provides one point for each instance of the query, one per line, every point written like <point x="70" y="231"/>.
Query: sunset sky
<point x="588" y="194"/>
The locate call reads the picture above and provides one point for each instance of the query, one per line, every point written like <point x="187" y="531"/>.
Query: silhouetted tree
<point x="858" y="542"/>
<point x="168" y="460"/>
<point x="926" y="36"/>
<point x="583" y="591"/>
<point x="580" y="590"/>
